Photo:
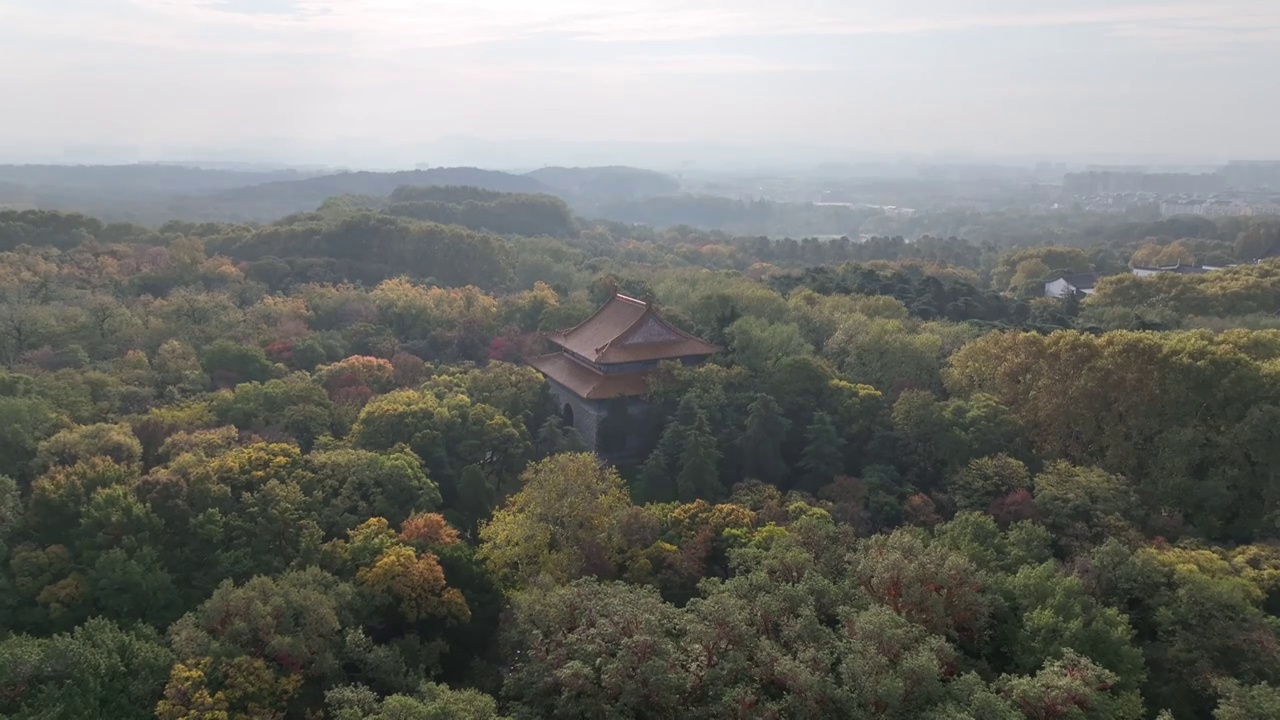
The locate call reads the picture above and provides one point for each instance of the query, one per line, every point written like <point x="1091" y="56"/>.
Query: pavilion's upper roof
<point x="626" y="330"/>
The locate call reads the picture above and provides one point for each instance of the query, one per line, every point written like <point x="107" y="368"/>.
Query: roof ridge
<point x="592" y="316"/>
<point x="630" y="329"/>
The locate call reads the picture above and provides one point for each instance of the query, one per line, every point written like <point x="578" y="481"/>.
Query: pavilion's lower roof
<point x="587" y="383"/>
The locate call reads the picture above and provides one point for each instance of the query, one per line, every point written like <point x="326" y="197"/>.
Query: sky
<point x="381" y="82"/>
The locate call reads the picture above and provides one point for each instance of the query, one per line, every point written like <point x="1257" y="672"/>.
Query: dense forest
<point x="301" y="470"/>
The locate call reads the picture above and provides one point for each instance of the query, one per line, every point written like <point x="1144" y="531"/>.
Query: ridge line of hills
<point x="152" y="194"/>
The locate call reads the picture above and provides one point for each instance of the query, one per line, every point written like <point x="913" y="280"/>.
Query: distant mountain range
<point x="158" y="193"/>
<point x="153" y="194"/>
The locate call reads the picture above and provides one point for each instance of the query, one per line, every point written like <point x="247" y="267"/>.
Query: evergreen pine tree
<point x="699" y="464"/>
<point x="761" y="441"/>
<point x="549" y="435"/>
<point x="476" y="496"/>
<point x="554" y="438"/>
<point x="571" y="441"/>
<point x="658" y="470"/>
<point x="823" y="458"/>
<point x="688" y="411"/>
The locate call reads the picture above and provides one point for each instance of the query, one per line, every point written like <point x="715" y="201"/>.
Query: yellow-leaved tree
<point x="563" y="524"/>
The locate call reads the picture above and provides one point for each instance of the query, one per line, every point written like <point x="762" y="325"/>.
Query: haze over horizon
<point x="379" y="82"/>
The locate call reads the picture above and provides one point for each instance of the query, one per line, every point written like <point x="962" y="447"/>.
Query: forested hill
<point x="156" y="178"/>
<point x="154" y="194"/>
<point x="304" y="471"/>
<point x="263" y="203"/>
<point x="607" y="183"/>
<point x="145" y="193"/>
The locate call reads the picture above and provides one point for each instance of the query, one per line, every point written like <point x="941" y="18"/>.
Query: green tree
<point x="1073" y="687"/>
<point x="925" y="582"/>
<point x="761" y="441"/>
<point x="657" y="474"/>
<point x="886" y="354"/>
<point x="518" y="392"/>
<point x="294" y="404"/>
<point x="70" y="446"/>
<point x="99" y="670"/>
<point x="296" y="622"/>
<point x="231" y="363"/>
<point x="178" y="369"/>
<point x="133" y="586"/>
<point x="430" y="702"/>
<point x="28" y="421"/>
<point x="823" y="457"/>
<point x="1017" y="268"/>
<point x="987" y="480"/>
<point x="878" y="654"/>
<point x="1156" y="408"/>
<point x="11" y="509"/>
<point x="60" y="496"/>
<point x="477" y="494"/>
<point x="118" y="541"/>
<point x="593" y="650"/>
<point x="448" y="434"/>
<point x="979" y="538"/>
<point x="760" y="345"/>
<point x="1054" y="612"/>
<point x="554" y="438"/>
<point x="1084" y="506"/>
<point x="350" y="486"/>
<point x="235" y="513"/>
<point x="1247" y="702"/>
<point x="1209" y="628"/>
<point x="699" y="475"/>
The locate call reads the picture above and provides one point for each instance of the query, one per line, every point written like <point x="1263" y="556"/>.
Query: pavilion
<point x="610" y="355"/>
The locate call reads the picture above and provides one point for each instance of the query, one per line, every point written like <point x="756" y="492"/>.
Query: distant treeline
<point x="752" y="217"/>
<point x="485" y="210"/>
<point x="155" y="194"/>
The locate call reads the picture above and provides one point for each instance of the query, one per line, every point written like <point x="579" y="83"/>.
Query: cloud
<point x="633" y="66"/>
<point x="899" y="73"/>
<point x="380" y="27"/>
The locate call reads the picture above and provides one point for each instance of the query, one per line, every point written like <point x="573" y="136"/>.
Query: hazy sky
<point x="170" y="78"/>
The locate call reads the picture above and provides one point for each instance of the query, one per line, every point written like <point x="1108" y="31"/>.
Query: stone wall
<point x="589" y="414"/>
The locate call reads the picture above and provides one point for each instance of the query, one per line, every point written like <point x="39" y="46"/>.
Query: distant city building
<point x="1114" y="183"/>
<point x="1235" y="190"/>
<point x="890" y="210"/>
<point x="1067" y="285"/>
<point x="1085" y="283"/>
<point x="1252" y="175"/>
<point x="1214" y="207"/>
<point x="1180" y="207"/>
<point x="1178" y="269"/>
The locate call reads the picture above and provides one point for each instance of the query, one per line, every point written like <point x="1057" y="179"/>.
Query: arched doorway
<point x="567" y="415"/>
